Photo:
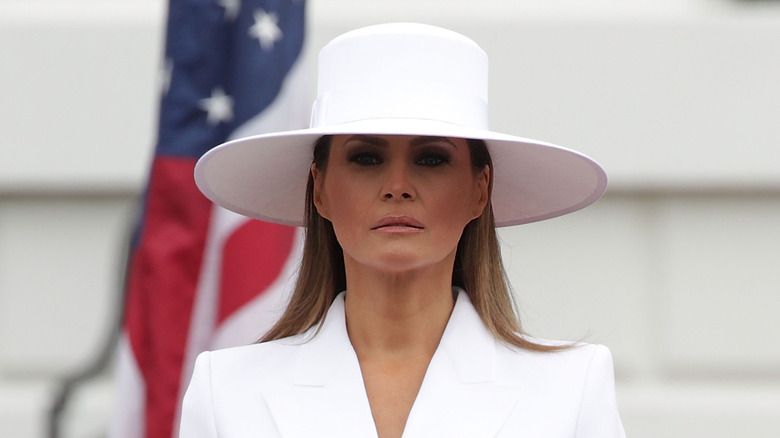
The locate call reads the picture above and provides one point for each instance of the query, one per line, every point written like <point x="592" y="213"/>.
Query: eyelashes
<point x="422" y="158"/>
<point x="365" y="158"/>
<point x="433" y="159"/>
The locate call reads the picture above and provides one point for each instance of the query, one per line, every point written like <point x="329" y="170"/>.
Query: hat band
<point x="396" y="99"/>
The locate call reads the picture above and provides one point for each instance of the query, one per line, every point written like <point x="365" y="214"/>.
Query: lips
<point x="398" y="221"/>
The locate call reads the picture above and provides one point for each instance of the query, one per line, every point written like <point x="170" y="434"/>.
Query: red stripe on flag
<point x="252" y="259"/>
<point x="161" y="287"/>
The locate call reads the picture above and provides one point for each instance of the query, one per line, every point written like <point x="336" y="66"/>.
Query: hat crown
<point x="402" y="70"/>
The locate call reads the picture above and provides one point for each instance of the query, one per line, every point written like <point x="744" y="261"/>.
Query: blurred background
<point x="675" y="269"/>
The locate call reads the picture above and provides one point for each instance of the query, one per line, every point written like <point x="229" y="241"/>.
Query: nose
<point x="398" y="183"/>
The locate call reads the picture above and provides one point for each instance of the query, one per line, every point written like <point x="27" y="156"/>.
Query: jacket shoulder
<point x="577" y="383"/>
<point x="255" y="362"/>
<point x="570" y="365"/>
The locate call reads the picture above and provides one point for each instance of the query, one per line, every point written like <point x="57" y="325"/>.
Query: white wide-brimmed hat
<point x="402" y="79"/>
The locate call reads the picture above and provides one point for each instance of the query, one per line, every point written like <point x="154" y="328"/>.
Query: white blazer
<point x="475" y="386"/>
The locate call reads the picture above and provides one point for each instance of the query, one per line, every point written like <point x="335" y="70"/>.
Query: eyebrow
<point x="417" y="141"/>
<point x="370" y="139"/>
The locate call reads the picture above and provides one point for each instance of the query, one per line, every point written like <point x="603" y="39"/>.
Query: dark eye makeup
<point x="364" y="158"/>
<point x="430" y="155"/>
<point x="433" y="158"/>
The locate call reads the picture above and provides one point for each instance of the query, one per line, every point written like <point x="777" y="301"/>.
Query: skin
<point x="398" y="205"/>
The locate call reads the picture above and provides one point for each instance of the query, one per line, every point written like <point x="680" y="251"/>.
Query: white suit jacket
<point x="475" y="386"/>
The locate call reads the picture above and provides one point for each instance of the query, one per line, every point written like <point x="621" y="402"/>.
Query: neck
<point x="397" y="314"/>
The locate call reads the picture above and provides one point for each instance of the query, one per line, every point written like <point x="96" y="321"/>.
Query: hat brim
<point x="264" y="176"/>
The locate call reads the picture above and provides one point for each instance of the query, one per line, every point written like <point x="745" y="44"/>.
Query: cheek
<point x="339" y="203"/>
<point x="330" y="195"/>
<point x="456" y="207"/>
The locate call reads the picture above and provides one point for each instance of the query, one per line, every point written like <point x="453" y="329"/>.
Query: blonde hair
<point x="478" y="267"/>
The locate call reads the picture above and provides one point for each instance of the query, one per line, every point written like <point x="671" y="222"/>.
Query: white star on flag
<point x="166" y="75"/>
<point x="219" y="107"/>
<point x="266" y="29"/>
<point x="232" y="8"/>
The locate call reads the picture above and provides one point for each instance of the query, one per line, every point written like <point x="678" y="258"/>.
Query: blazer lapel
<point x="327" y="397"/>
<point x="460" y="395"/>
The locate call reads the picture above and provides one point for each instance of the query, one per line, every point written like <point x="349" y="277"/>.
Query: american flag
<point x="200" y="277"/>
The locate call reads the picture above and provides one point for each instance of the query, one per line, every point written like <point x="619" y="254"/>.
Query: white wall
<point x="674" y="269"/>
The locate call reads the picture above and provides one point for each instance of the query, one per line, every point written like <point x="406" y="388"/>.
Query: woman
<point x="401" y="323"/>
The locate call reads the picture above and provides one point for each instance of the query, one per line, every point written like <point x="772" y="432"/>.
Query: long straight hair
<point x="478" y="267"/>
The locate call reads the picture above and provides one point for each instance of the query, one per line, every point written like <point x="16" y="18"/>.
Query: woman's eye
<point x="432" y="160"/>
<point x="365" y="159"/>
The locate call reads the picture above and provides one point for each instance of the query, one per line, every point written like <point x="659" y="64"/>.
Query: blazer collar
<point x="325" y="350"/>
<point x="459" y="396"/>
<point x="469" y="345"/>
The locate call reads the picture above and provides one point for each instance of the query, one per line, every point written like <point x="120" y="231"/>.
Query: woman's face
<point x="399" y="202"/>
